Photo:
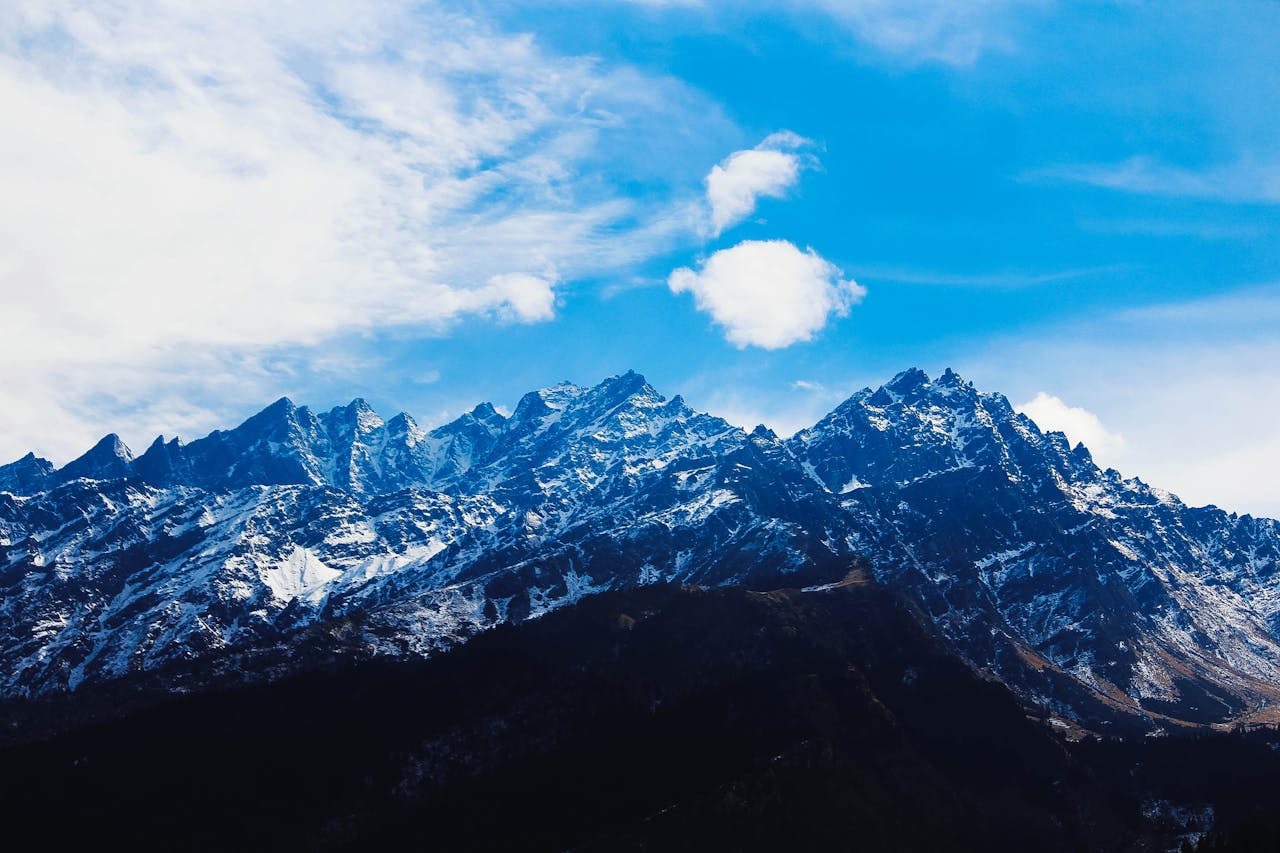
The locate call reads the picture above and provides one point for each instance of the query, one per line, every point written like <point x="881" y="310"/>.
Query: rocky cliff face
<point x="1084" y="591"/>
<point x="1022" y="549"/>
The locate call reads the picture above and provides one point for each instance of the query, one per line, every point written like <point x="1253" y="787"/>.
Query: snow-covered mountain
<point x="1035" y="562"/>
<point x="338" y="531"/>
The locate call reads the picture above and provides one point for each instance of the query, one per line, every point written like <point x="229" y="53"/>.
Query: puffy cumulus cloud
<point x="194" y="189"/>
<point x="1080" y="425"/>
<point x="768" y="293"/>
<point x="741" y="179"/>
<point x="524" y="298"/>
<point x="1191" y="385"/>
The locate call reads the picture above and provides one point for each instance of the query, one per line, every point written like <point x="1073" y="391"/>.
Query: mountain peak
<point x="161" y="462"/>
<point x="486" y="413"/>
<point x="628" y="385"/>
<point x="110" y="446"/>
<point x="282" y="411"/>
<point x="630" y="380"/>
<point x="284" y="404"/>
<point x="913" y="385"/>
<point x="537" y="404"/>
<point x="25" y="475"/>
<point x="27" y="461"/>
<point x="908" y="380"/>
<point x="561" y="394"/>
<point x="951" y="379"/>
<point x="109" y="458"/>
<point x="942" y="488"/>
<point x="404" y="430"/>
<point x="358" y="413"/>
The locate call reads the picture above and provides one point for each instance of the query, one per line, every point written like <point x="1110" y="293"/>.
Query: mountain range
<point x="301" y="537"/>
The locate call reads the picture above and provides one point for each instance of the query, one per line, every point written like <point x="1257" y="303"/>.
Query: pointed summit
<point x="629" y="381"/>
<point x="357" y="407"/>
<point x="281" y="406"/>
<point x="162" y="463"/>
<point x="629" y="384"/>
<point x="486" y="414"/>
<point x="530" y="406"/>
<point x="360" y="408"/>
<point x="1081" y="455"/>
<point x="357" y="415"/>
<point x="403" y="424"/>
<point x="908" y="380"/>
<point x="106" y="460"/>
<point x="275" y="420"/>
<point x="269" y="448"/>
<point x="538" y="404"/>
<point x="25" y="476"/>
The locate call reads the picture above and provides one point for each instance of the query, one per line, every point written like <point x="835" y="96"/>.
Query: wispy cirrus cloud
<point x="1247" y="180"/>
<point x="911" y="32"/>
<point x="194" y="190"/>
<point x="995" y="280"/>
<point x="931" y="31"/>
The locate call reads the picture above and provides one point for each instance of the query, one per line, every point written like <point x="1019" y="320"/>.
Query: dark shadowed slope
<point x="656" y="718"/>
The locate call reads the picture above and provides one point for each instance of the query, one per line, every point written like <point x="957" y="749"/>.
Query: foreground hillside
<point x="657" y="718"/>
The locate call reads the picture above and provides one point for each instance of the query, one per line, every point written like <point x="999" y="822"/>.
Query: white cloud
<point x="942" y="31"/>
<point x="741" y="179"/>
<point x="1249" y="180"/>
<point x="768" y="293"/>
<point x="194" y="190"/>
<point x="1003" y="280"/>
<point x="903" y="31"/>
<point x="527" y="298"/>
<point x="1080" y="425"/>
<point x="1192" y="387"/>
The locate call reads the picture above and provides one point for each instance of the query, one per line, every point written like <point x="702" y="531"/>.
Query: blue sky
<point x="760" y="206"/>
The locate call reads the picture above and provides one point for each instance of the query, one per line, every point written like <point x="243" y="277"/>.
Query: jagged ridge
<point x="1083" y="590"/>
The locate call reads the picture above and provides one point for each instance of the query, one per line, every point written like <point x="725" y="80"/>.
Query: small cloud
<point x="805" y="385"/>
<point x="1080" y="425"/>
<point x="520" y="297"/>
<point x="741" y="179"/>
<point x="1249" y="181"/>
<point x="768" y="293"/>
